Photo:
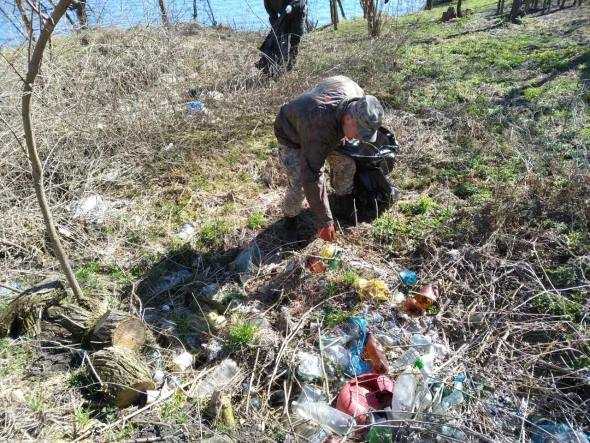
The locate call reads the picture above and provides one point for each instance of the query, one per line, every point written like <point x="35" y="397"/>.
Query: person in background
<point x="281" y="46"/>
<point x="310" y="129"/>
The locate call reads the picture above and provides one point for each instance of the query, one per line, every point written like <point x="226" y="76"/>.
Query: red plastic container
<point x="368" y="392"/>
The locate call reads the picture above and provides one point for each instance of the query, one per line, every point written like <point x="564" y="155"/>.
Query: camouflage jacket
<point x="311" y="123"/>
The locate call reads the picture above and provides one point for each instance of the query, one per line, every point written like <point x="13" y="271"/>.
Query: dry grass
<point x="503" y="228"/>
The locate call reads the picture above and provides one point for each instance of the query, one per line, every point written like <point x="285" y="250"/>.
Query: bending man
<point x="309" y="129"/>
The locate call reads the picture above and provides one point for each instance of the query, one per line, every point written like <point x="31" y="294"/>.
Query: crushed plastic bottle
<point x="336" y="355"/>
<point x="310" y="366"/>
<point x="195" y="107"/>
<point x="327" y="417"/>
<point x="455" y="397"/>
<point x="221" y="376"/>
<point x="546" y="431"/>
<point x="404" y="395"/>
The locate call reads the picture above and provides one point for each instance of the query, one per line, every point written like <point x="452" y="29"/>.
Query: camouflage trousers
<point x="341" y="173"/>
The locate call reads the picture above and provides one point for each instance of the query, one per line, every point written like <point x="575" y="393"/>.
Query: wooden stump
<point x="23" y="314"/>
<point x="124" y="376"/>
<point x="119" y="329"/>
<point x="74" y="318"/>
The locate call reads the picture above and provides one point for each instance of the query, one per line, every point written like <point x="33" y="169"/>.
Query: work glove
<point x="327" y="233"/>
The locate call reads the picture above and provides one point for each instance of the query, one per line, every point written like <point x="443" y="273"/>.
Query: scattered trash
<point x="311" y="406"/>
<point x="397" y="298"/>
<point x="337" y="356"/>
<point x="165" y="308"/>
<point x="277" y="398"/>
<point x="213" y="348"/>
<point x="409" y="278"/>
<point x="454" y="398"/>
<point x="380" y="434"/>
<point x="10" y="289"/>
<point x="358" y="336"/>
<point x="373" y="289"/>
<point x="169" y="147"/>
<point x="373" y="353"/>
<point x="91" y="209"/>
<point x="315" y="265"/>
<point x="158" y="377"/>
<point x="247" y="261"/>
<point x="183" y="361"/>
<point x="215" y="95"/>
<point x="404" y="395"/>
<point x="220" y="378"/>
<point x="224" y="410"/>
<point x="208" y="291"/>
<point x="369" y="392"/>
<point x="421" y="302"/>
<point x="331" y="255"/>
<point x="65" y="231"/>
<point x="195" y="107"/>
<point x="310" y="366"/>
<point x="186" y="232"/>
<point x="547" y="431"/>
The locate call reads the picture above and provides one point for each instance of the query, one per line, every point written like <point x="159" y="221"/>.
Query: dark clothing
<point x="280" y="47"/>
<point x="311" y="123"/>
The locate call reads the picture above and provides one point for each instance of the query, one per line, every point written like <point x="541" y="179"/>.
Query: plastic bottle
<point x="326" y="416"/>
<point x="373" y="352"/>
<point x="404" y="395"/>
<point x="455" y="397"/>
<point x="222" y="375"/>
<point x="408" y="358"/>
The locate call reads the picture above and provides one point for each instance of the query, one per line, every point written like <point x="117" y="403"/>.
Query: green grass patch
<point x="213" y="233"/>
<point x="256" y="220"/>
<point x="334" y="317"/>
<point x="559" y="305"/>
<point x="242" y="334"/>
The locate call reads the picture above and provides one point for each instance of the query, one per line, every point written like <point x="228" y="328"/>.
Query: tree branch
<point x="36" y="166"/>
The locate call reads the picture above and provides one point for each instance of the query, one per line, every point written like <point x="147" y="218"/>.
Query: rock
<point x="247" y="261"/>
<point x="213" y="349"/>
<point x="209" y="291"/>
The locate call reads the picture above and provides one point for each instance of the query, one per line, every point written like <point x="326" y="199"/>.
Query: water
<point x="239" y="14"/>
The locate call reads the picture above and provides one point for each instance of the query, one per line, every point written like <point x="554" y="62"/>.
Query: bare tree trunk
<point x="163" y="13"/>
<point x="334" y="14"/>
<point x="36" y="166"/>
<point x="341" y="9"/>
<point x="459" y="11"/>
<point x="195" y="10"/>
<point x="428" y="6"/>
<point x="81" y="14"/>
<point x="515" y="11"/>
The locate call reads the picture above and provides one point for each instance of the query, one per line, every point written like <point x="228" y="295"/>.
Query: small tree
<point x="373" y="12"/>
<point x="34" y="65"/>
<point x="163" y="13"/>
<point x="516" y="10"/>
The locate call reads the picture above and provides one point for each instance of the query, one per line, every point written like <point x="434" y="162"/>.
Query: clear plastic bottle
<point x="455" y="397"/>
<point x="221" y="376"/>
<point x="404" y="395"/>
<point x="408" y="358"/>
<point x="326" y="416"/>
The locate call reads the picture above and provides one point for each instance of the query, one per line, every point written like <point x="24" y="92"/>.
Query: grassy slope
<point x="493" y="119"/>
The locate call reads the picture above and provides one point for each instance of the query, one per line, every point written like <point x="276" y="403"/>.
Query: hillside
<point x="492" y="119"/>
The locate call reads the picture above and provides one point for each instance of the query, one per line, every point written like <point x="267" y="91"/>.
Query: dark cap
<point x="368" y="113"/>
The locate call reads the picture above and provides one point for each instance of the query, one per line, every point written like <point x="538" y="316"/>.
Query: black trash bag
<point x="373" y="191"/>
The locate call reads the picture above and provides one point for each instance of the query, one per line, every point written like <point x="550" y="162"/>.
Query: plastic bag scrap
<point x="358" y="332"/>
<point x="374" y="289"/>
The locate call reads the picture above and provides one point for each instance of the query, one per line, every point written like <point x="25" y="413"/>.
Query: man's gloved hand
<point x="327" y="233"/>
<point x="288" y="9"/>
